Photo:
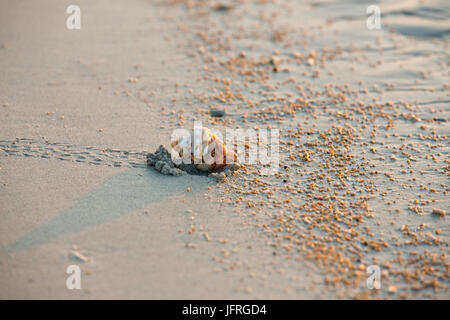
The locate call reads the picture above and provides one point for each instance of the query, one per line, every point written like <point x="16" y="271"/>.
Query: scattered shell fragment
<point x="79" y="256"/>
<point x="392" y="289"/>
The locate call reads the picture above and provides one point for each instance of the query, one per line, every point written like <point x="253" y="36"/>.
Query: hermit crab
<point x="202" y="152"/>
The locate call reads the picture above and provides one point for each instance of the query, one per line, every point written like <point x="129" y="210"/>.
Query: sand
<point x="80" y="109"/>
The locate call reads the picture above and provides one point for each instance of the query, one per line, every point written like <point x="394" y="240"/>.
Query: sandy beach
<point x="364" y="151"/>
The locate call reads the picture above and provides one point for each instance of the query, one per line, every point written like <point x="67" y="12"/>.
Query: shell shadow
<point x="120" y="194"/>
